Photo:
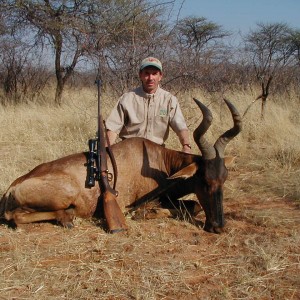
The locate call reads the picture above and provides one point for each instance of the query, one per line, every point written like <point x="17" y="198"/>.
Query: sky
<point x="242" y="15"/>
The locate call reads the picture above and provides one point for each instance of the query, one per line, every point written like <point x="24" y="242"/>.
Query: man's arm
<point x="178" y="124"/>
<point x="114" y="122"/>
<point x="184" y="139"/>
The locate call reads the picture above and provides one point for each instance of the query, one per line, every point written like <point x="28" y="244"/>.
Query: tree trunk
<point x="264" y="96"/>
<point x="59" y="92"/>
<point x="263" y="106"/>
<point x="58" y="69"/>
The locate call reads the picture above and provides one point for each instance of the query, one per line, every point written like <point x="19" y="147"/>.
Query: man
<point x="148" y="111"/>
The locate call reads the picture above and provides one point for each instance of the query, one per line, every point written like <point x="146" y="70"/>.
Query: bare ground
<point x="257" y="257"/>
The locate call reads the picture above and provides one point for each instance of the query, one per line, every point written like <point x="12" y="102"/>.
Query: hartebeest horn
<point x="207" y="150"/>
<point x="225" y="138"/>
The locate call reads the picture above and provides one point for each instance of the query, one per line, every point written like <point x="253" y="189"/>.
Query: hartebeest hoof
<point x="213" y="229"/>
<point x="65" y="217"/>
<point x="68" y="225"/>
<point x="117" y="230"/>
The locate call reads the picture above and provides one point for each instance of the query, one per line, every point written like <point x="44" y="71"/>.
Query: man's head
<point x="150" y="74"/>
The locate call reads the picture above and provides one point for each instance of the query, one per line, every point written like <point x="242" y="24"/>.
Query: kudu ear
<point x="229" y="161"/>
<point x="186" y="172"/>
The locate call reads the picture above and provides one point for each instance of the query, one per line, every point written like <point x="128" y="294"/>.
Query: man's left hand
<point x="186" y="148"/>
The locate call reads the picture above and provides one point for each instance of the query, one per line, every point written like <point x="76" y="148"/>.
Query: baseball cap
<point x="151" y="62"/>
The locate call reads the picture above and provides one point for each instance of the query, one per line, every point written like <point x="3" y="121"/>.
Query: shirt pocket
<point x="160" y="126"/>
<point x="135" y="117"/>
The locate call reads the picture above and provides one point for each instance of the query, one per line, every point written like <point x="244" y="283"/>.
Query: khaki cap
<point x="151" y="62"/>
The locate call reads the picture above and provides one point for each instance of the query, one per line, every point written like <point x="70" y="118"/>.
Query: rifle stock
<point x="113" y="214"/>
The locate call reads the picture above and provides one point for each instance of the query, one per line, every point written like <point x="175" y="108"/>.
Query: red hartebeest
<point x="56" y="190"/>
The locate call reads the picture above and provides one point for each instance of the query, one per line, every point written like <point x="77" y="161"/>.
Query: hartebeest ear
<point x="229" y="161"/>
<point x="186" y="172"/>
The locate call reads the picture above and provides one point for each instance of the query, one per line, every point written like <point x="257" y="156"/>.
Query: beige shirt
<point x="138" y="114"/>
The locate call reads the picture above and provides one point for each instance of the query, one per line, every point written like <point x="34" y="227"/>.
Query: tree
<point x="295" y="45"/>
<point x="198" y="45"/>
<point x="196" y="33"/>
<point x="57" y="23"/>
<point x="269" y="51"/>
<point x="21" y="78"/>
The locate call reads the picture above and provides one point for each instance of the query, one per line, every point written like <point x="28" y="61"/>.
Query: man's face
<point x="150" y="77"/>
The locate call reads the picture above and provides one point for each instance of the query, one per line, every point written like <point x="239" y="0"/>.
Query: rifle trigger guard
<point x="110" y="176"/>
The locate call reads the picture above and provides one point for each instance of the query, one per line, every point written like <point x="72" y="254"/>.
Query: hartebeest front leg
<point x="21" y="216"/>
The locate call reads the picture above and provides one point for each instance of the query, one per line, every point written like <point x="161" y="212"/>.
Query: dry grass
<point x="258" y="257"/>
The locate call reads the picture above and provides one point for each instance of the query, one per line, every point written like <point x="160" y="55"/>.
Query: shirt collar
<point x="145" y="95"/>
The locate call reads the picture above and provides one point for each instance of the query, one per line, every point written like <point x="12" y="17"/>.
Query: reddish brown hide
<point x="56" y="190"/>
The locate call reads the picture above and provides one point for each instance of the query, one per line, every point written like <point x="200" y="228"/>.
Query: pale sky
<point x="242" y="15"/>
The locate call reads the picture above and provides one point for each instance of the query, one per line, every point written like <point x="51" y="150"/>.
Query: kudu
<point x="56" y="190"/>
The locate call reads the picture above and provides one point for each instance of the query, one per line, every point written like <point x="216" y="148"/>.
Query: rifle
<point x="97" y="154"/>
